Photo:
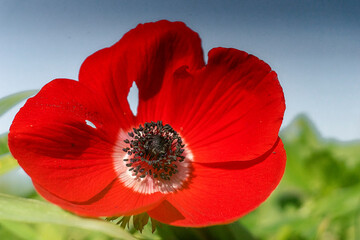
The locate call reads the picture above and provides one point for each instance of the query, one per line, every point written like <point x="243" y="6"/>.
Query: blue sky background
<point x="314" y="46"/>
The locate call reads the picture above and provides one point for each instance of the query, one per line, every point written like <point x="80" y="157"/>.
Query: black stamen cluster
<point x="156" y="145"/>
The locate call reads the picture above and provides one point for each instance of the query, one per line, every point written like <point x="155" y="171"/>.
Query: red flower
<point x="211" y="154"/>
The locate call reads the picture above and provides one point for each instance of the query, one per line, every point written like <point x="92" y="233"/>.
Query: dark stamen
<point x="154" y="150"/>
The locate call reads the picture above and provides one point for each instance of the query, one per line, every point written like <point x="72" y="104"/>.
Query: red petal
<point x="229" y="111"/>
<point x="152" y="52"/>
<point x="115" y="200"/>
<point x="96" y="73"/>
<point x="64" y="137"/>
<point x="147" y="54"/>
<point x="220" y="193"/>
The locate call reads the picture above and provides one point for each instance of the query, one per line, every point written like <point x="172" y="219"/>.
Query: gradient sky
<point x="314" y="46"/>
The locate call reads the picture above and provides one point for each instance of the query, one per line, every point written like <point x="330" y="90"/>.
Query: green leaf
<point x="20" y="230"/>
<point x="45" y="231"/>
<point x="4" y="144"/>
<point x="5" y="233"/>
<point x="9" y="101"/>
<point x="34" y="211"/>
<point x="7" y="163"/>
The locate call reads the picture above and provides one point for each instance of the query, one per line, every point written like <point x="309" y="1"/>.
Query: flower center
<point x="154" y="149"/>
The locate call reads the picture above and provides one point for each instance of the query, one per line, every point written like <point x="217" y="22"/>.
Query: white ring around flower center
<point x="149" y="184"/>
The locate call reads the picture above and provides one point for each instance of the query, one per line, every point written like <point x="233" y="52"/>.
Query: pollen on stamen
<point x="152" y="158"/>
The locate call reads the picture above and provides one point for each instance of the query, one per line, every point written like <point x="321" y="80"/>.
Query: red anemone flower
<point x="203" y="148"/>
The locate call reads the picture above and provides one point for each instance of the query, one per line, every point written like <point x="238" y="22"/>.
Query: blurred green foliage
<point x="319" y="195"/>
<point x="318" y="198"/>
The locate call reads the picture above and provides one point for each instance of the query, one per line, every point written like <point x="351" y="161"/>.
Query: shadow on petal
<point x="168" y="211"/>
<point x="236" y="165"/>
